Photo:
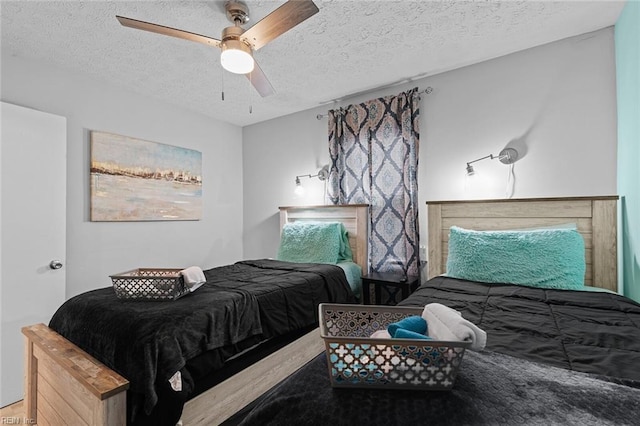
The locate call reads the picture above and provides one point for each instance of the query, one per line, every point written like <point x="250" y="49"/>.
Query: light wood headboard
<point x="354" y="216"/>
<point x="595" y="217"/>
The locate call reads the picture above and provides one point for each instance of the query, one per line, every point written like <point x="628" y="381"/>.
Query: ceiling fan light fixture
<point x="238" y="45"/>
<point x="236" y="57"/>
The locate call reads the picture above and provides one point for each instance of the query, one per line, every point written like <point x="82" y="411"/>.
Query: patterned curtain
<point x="374" y="160"/>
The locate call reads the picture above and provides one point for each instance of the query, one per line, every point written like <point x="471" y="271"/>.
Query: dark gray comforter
<point x="585" y="331"/>
<point x="553" y="357"/>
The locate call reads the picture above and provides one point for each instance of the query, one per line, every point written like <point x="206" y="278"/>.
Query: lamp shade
<point x="236" y="57"/>
<point x="299" y="191"/>
<point x="470" y="170"/>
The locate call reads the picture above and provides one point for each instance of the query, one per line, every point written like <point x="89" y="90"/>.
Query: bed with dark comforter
<point x="239" y="306"/>
<point x="553" y="357"/>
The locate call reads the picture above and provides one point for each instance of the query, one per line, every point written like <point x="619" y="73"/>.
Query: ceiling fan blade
<point x="160" y="29"/>
<point x="279" y="21"/>
<point x="259" y="81"/>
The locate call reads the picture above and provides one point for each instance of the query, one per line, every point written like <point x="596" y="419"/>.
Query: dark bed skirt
<point x="201" y="378"/>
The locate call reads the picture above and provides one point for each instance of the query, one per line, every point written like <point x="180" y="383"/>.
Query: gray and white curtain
<point x="374" y="160"/>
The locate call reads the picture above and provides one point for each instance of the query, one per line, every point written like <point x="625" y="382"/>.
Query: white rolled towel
<point x="381" y="334"/>
<point x="448" y="324"/>
<point x="193" y="277"/>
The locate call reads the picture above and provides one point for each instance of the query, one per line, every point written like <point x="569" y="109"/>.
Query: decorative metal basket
<point x="357" y="361"/>
<point x="151" y="284"/>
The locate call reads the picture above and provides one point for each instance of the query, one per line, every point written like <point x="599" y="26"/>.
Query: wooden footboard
<point x="65" y="385"/>
<point x="222" y="401"/>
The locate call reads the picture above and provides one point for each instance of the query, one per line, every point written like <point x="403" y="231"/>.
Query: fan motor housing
<point x="232" y="33"/>
<point x="231" y="37"/>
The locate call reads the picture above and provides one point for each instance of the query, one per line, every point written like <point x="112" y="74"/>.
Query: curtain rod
<point x="427" y="91"/>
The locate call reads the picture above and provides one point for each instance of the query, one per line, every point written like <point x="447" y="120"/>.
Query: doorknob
<point x="55" y="264"/>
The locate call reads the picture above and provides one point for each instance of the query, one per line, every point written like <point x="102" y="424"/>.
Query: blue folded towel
<point x="401" y="333"/>
<point x="415" y="324"/>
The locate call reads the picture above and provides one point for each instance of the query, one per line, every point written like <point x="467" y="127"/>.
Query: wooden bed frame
<point x="85" y="387"/>
<point x="595" y="217"/>
<point x="63" y="384"/>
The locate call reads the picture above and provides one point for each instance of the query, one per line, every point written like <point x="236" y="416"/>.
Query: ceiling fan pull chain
<point x="222" y="85"/>
<point x="250" y="93"/>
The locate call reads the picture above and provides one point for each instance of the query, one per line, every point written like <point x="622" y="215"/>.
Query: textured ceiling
<point x="348" y="47"/>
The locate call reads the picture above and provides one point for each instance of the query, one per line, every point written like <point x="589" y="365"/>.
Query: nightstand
<point x="389" y="284"/>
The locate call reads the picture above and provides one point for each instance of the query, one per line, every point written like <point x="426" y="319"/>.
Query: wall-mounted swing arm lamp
<point x="506" y="156"/>
<point x="322" y="175"/>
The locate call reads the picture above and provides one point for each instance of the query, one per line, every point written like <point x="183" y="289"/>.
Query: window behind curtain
<point x="374" y="159"/>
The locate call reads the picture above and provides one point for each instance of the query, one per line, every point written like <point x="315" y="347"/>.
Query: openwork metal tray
<point x="151" y="284"/>
<point x="355" y="360"/>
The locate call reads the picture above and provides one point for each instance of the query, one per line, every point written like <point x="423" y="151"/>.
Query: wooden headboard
<point x="354" y="216"/>
<point x="595" y="217"/>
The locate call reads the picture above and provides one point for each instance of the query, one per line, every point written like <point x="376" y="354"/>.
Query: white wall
<point x="97" y="249"/>
<point x="274" y="153"/>
<point x="554" y="103"/>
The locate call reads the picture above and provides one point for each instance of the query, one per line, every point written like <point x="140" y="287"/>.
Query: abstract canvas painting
<point x="138" y="180"/>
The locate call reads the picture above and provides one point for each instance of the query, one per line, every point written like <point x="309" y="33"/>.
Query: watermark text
<point x="15" y="420"/>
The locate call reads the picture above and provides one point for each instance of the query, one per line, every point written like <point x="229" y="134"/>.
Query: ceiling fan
<point x="238" y="44"/>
